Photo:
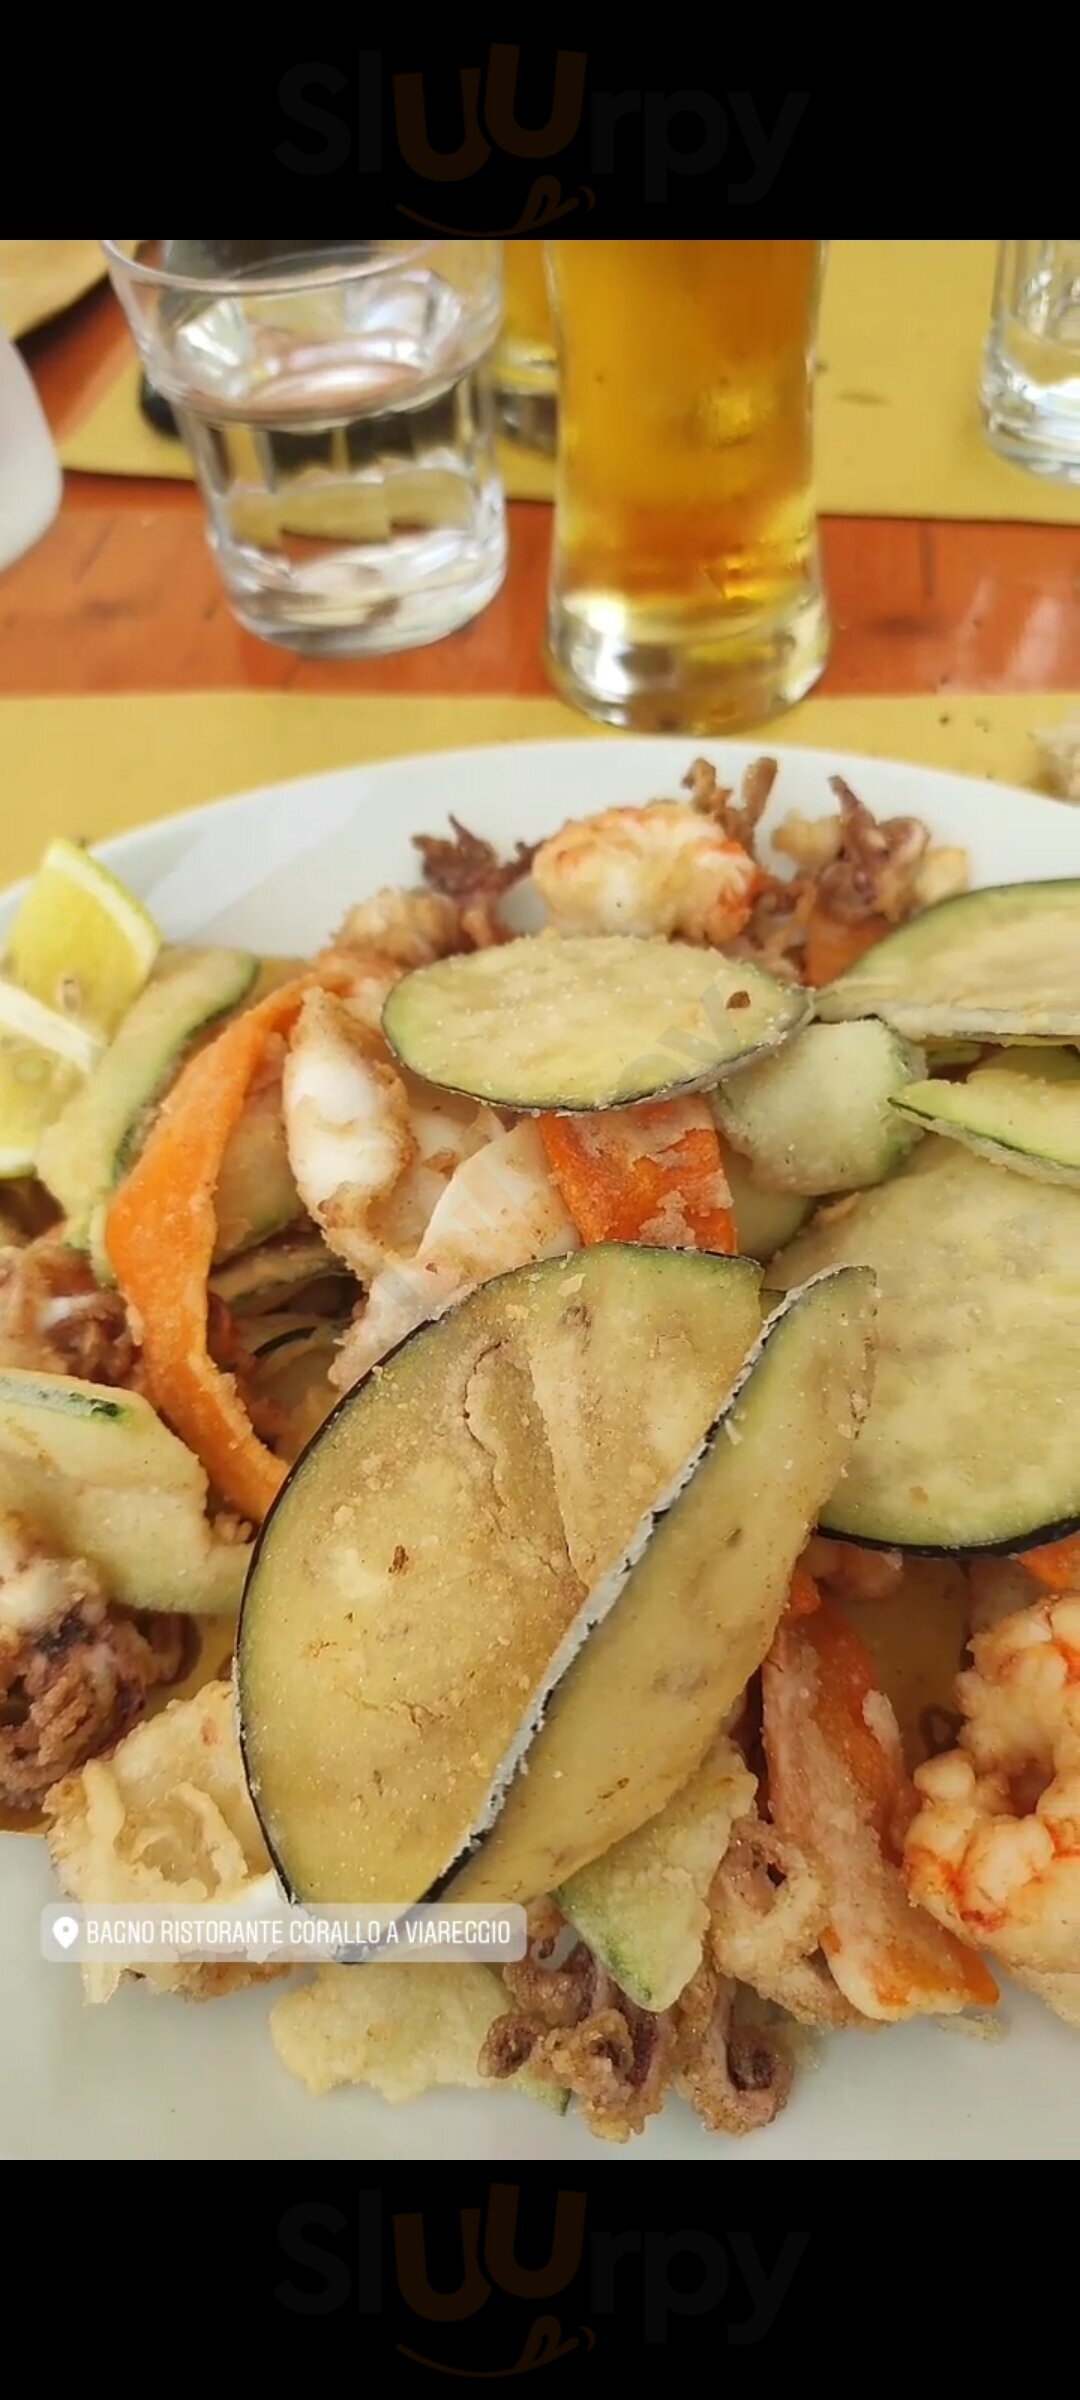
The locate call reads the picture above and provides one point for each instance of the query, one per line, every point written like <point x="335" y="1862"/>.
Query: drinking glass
<point x="336" y="400"/>
<point x="686" y="588"/>
<point x="525" y="371"/>
<point x="1031" y="363"/>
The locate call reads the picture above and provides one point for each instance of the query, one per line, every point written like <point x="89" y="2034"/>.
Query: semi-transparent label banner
<point x="269" y="1932"/>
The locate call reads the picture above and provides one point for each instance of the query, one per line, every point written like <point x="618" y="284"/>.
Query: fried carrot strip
<point x="160" y="1236"/>
<point x="804" y="1598"/>
<point x="832" y="944"/>
<point x="1056" y="1565"/>
<point x="648" y="1174"/>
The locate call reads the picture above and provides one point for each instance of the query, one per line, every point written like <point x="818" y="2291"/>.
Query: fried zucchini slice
<point x="587" y="1021"/>
<point x="643" y="1908"/>
<point x="96" y="1472"/>
<point x="1020" y="1111"/>
<point x="817" y="1117"/>
<point x="764" y="1221"/>
<point x="985" y="966"/>
<point x="96" y="1138"/>
<point x="256" y="1195"/>
<point x="971" y="1441"/>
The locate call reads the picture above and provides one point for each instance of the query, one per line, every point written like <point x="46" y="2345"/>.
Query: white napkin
<point x="30" y="479"/>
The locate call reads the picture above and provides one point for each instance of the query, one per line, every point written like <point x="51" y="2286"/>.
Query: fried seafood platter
<point x="564" y="1395"/>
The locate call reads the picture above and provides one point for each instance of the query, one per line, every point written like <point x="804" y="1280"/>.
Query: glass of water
<point x="1031" y="364"/>
<point x="336" y="399"/>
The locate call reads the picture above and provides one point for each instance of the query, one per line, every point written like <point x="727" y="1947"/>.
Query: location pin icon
<point x="65" y="1931"/>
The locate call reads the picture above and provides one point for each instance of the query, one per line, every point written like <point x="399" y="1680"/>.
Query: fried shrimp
<point x="407" y="929"/>
<point x="381" y="939"/>
<point x="994" y="1852"/>
<point x="664" y="869"/>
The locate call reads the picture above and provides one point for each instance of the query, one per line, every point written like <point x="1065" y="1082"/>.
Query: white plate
<point x="159" y="2078"/>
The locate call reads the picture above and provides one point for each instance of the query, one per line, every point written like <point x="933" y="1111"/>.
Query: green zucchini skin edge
<point x="1057" y="896"/>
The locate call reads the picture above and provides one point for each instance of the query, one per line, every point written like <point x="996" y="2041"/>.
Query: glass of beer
<point x="525" y="375"/>
<point x="686" y="585"/>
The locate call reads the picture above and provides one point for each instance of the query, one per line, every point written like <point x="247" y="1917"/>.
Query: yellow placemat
<point x="898" y="422"/>
<point x="94" y="767"/>
<point x="39" y="279"/>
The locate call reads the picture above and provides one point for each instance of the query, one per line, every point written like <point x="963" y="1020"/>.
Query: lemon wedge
<point x="43" y="1058"/>
<point x="81" y="944"/>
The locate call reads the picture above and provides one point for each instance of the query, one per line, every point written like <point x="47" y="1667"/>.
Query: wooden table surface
<point x="123" y="596"/>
